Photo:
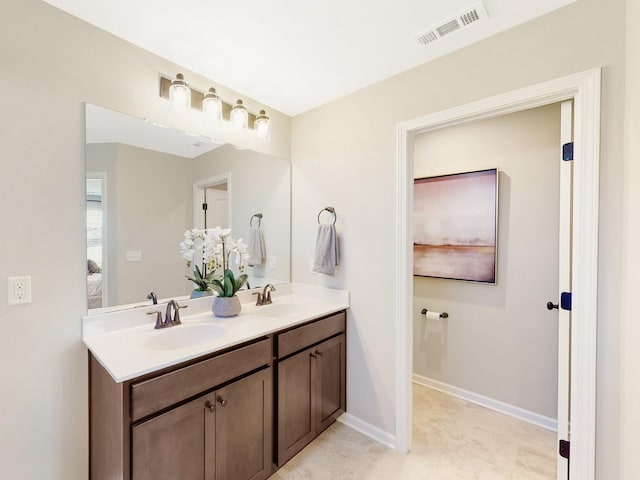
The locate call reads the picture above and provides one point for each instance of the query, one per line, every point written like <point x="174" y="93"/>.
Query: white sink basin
<point x="181" y="336"/>
<point x="283" y="310"/>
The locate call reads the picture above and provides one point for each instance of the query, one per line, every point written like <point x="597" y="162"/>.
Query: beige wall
<point x="149" y="206"/>
<point x="344" y="155"/>
<point x="630" y="419"/>
<point x="52" y="63"/>
<point x="153" y="207"/>
<point x="259" y="184"/>
<point x="499" y="341"/>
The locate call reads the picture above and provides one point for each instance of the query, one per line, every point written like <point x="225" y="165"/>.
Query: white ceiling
<point x="107" y="126"/>
<point x="294" y="55"/>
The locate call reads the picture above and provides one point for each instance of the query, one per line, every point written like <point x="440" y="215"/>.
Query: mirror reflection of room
<point x="146" y="186"/>
<point x="94" y="241"/>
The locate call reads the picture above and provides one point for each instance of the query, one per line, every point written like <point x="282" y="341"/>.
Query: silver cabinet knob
<point x="210" y="406"/>
<point x="222" y="401"/>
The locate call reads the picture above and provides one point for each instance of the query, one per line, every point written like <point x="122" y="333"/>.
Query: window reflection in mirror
<point x="151" y="182"/>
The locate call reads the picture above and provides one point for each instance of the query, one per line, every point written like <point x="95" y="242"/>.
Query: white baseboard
<point x="498" y="406"/>
<point x="369" y="430"/>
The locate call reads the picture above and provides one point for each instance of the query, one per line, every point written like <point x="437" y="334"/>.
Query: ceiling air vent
<point x="463" y="19"/>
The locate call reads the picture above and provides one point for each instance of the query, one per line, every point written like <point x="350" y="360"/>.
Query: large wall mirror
<point x="146" y="185"/>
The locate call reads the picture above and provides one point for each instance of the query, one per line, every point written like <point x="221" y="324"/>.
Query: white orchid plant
<point x="213" y="248"/>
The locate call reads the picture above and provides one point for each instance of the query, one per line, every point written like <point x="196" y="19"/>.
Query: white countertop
<point x="127" y="346"/>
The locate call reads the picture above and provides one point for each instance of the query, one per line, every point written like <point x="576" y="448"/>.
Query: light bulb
<point x="212" y="106"/>
<point x="239" y="115"/>
<point x="262" y="124"/>
<point x="180" y="95"/>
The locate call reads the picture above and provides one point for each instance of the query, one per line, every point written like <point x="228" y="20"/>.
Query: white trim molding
<point x="488" y="402"/>
<point x="371" y="431"/>
<point x="584" y="89"/>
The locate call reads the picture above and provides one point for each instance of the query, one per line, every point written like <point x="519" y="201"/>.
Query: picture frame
<point x="455" y="226"/>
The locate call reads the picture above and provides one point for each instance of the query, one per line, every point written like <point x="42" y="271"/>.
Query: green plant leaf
<point x="240" y="281"/>
<point x="197" y="273"/>
<point x="228" y="287"/>
<point x="201" y="284"/>
<point x="218" y="290"/>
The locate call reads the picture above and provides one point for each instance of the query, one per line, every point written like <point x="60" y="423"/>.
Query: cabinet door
<point x="296" y="404"/>
<point x="244" y="422"/>
<point x="331" y="381"/>
<point x="179" y="444"/>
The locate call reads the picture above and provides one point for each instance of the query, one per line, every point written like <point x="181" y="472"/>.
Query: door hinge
<point x="565" y="301"/>
<point x="567" y="151"/>
<point x="564" y="449"/>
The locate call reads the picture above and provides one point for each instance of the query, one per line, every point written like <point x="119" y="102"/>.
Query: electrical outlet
<point x="19" y="290"/>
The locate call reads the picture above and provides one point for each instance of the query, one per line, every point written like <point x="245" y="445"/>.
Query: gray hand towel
<point x="255" y="247"/>
<point x="326" y="255"/>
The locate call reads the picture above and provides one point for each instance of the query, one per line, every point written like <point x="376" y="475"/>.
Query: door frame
<point x="210" y="182"/>
<point x="584" y="89"/>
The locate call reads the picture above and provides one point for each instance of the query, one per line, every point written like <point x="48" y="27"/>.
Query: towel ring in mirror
<point x="258" y="216"/>
<point x="330" y="210"/>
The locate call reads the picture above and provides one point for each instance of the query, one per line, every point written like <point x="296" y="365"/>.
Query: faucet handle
<point x="259" y="300"/>
<point x="176" y="315"/>
<point x="158" y="314"/>
<point x="267" y="293"/>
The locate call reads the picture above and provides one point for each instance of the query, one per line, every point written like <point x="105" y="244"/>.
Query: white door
<point x="564" y="285"/>
<point x="216" y="212"/>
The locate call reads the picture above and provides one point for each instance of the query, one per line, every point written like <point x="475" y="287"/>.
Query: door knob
<point x="222" y="401"/>
<point x="210" y="406"/>
<point x="551" y="306"/>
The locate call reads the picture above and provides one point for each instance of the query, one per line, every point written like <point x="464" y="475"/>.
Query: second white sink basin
<point x="181" y="336"/>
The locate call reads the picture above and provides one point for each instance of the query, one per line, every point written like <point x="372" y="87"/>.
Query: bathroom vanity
<point x="234" y="400"/>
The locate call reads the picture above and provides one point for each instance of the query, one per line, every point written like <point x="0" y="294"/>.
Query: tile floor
<point x="452" y="440"/>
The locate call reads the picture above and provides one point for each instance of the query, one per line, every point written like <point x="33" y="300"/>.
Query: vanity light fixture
<point x="261" y="125"/>
<point x="239" y="115"/>
<point x="180" y="95"/>
<point x="211" y="106"/>
<point x="183" y="98"/>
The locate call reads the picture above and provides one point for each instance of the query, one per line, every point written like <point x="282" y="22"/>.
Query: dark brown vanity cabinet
<point x="222" y="435"/>
<point x="311" y="387"/>
<point x="177" y="444"/>
<point x="210" y="420"/>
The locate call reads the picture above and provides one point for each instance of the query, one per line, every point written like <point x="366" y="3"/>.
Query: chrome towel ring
<point x="330" y="210"/>
<point x="258" y="216"/>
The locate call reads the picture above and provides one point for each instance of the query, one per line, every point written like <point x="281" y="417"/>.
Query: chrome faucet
<point x="169" y="319"/>
<point x="264" y="298"/>
<point x="153" y="297"/>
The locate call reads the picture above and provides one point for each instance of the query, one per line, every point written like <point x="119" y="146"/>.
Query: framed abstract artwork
<point x="455" y="226"/>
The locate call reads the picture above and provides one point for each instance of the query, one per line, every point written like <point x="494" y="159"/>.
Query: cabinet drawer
<point x="165" y="390"/>
<point x="301" y="337"/>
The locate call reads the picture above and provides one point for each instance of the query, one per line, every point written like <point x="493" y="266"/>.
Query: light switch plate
<point x="134" y="256"/>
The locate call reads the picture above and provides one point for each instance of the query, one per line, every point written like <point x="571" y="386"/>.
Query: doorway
<point x="584" y="90"/>
<point x="498" y="347"/>
<point x="97" y="251"/>
<point x="212" y="202"/>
